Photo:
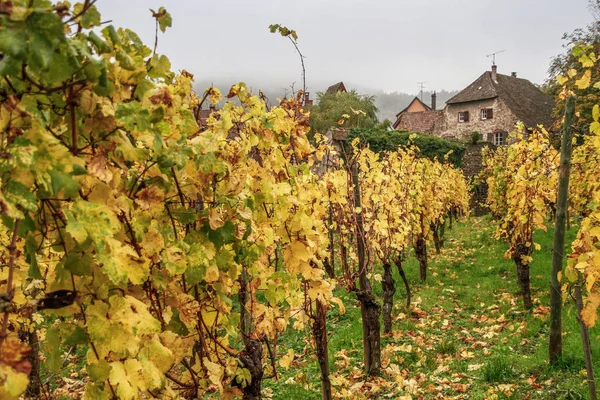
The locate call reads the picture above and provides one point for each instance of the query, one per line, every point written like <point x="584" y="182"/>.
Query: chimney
<point x="433" y="97"/>
<point x="307" y="100"/>
<point x="513" y="74"/>
<point x="495" y="73"/>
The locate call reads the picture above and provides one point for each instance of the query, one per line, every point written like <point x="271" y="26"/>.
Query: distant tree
<point x="567" y="64"/>
<point x="343" y="110"/>
<point x="385" y="125"/>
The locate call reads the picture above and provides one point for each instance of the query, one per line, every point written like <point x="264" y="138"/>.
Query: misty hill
<point x="388" y="103"/>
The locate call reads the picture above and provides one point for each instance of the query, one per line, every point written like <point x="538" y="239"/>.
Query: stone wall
<point x="503" y="119"/>
<point x="472" y="165"/>
<point x="472" y="159"/>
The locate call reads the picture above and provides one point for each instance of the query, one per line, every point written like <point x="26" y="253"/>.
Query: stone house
<point x="493" y="104"/>
<point x="419" y="117"/>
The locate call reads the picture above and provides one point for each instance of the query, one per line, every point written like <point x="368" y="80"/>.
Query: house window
<point x="487" y="113"/>
<point x="499" y="138"/>
<point x="463" y="116"/>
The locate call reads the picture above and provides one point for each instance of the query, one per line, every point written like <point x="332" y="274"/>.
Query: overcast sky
<point x="377" y="44"/>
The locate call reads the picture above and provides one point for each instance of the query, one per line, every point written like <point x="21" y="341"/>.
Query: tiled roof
<point x="423" y="121"/>
<point x="481" y="89"/>
<point x="338" y="87"/>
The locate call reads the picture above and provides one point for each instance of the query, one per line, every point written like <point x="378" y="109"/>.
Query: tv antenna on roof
<point x="421" y="87"/>
<point x="493" y="55"/>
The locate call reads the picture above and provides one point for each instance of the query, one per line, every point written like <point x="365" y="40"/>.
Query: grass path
<point x="465" y="337"/>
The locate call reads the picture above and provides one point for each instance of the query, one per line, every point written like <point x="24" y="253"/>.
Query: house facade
<point x="494" y="124"/>
<point x="490" y="105"/>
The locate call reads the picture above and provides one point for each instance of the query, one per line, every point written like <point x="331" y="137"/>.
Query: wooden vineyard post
<point x="555" y="347"/>
<point x="329" y="262"/>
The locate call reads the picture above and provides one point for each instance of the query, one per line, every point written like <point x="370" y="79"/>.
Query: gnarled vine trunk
<point x="319" y="329"/>
<point x="421" y="254"/>
<point x="438" y="230"/>
<point x="398" y="263"/>
<point x="370" y="310"/>
<point x="328" y="266"/>
<point x="251" y="356"/>
<point x="369" y="307"/>
<point x="523" y="274"/>
<point x="34" y="388"/>
<point x="389" y="289"/>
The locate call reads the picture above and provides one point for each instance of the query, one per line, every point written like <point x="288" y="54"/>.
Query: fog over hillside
<point x="388" y="103"/>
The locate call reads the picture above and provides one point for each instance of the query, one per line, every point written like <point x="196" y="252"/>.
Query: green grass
<point x="466" y="327"/>
<point x="446" y="346"/>
<point x="498" y="369"/>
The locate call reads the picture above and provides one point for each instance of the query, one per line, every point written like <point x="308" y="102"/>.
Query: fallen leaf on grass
<point x="460" y="387"/>
<point x="474" y="367"/>
<point x="541" y="312"/>
<point x="532" y="382"/>
<point x="466" y="354"/>
<point x="507" y="389"/>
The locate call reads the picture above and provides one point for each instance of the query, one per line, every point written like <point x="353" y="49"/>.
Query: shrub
<point x="430" y="146"/>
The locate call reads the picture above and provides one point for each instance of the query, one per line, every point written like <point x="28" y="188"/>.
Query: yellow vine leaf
<point x="339" y="303"/>
<point x="584" y="81"/>
<point x="215" y="371"/>
<point x="286" y="360"/>
<point x="14" y="383"/>
<point x="589" y="313"/>
<point x="119" y="379"/>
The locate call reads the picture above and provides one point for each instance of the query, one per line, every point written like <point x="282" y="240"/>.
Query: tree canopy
<point x="343" y="109"/>
<point x="580" y="41"/>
